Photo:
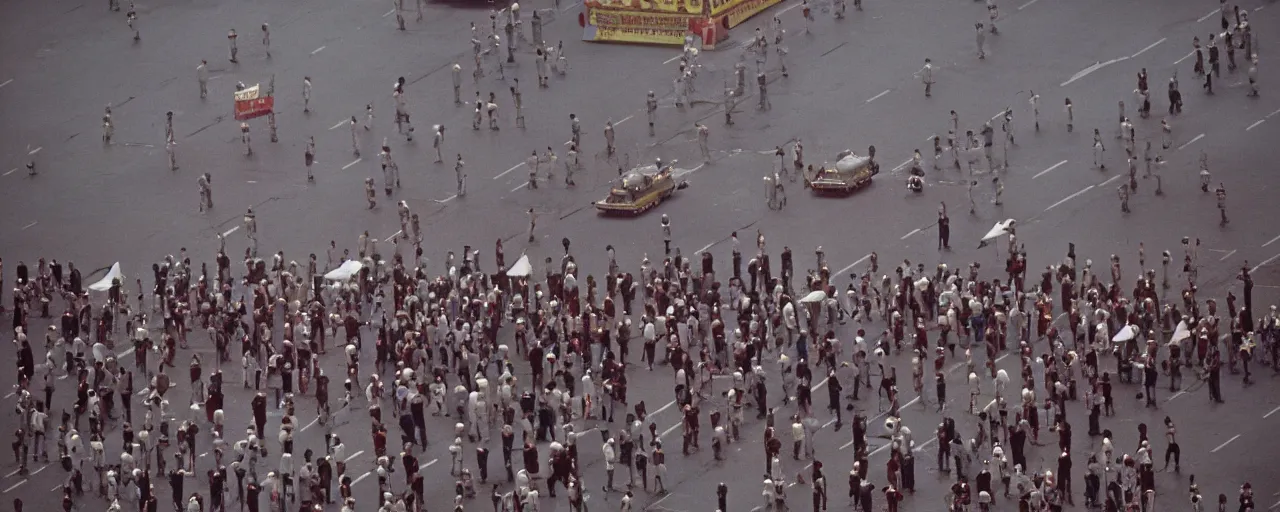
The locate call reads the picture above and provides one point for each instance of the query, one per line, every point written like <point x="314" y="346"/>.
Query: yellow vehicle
<point x="851" y="172"/>
<point x="639" y="190"/>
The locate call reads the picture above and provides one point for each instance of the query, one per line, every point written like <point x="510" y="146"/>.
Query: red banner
<point x="257" y="107"/>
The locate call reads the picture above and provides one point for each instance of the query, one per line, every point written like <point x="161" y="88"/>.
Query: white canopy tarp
<point x="104" y="284"/>
<point x="1126" y="333"/>
<point x="346" y="271"/>
<point x="814" y="296"/>
<point x="1181" y="332"/>
<point x="1001" y="228"/>
<point x="521" y="268"/>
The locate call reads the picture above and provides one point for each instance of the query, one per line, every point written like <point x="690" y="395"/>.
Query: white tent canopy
<point x="814" y="296"/>
<point x="1126" y="333"/>
<point x="346" y="271"/>
<point x="1181" y="332"/>
<point x="1001" y="228"/>
<point x="521" y="268"/>
<point x="104" y="284"/>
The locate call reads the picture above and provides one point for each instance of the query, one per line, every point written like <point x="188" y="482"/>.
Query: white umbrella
<point x="104" y="284"/>
<point x="814" y="296"/>
<point x="346" y="271"/>
<point x="1128" y="332"/>
<point x="1181" y="332"/>
<point x="521" y="268"/>
<point x="1001" y="228"/>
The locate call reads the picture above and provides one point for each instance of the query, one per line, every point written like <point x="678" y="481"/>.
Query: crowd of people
<point x="452" y="343"/>
<point x="541" y="361"/>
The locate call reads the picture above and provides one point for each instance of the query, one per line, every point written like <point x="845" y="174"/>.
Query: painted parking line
<point x="1264" y="263"/>
<point x="1207" y="16"/>
<point x="318" y="50"/>
<point x="1149" y="47"/>
<point x="1273" y="411"/>
<point x="878" y="96"/>
<point x="29" y="226"/>
<point x="908" y="235"/>
<point x="6" y="82"/>
<point x="851" y="265"/>
<point x="1224" y="445"/>
<point x="508" y="171"/>
<point x="1068" y="198"/>
<point x="1272" y="241"/>
<point x="1046" y="171"/>
<point x="354" y="455"/>
<point x="1255" y="124"/>
<point x="348" y="166"/>
<point x="230" y="231"/>
<point x="1190" y="142"/>
<point x="340" y="124"/>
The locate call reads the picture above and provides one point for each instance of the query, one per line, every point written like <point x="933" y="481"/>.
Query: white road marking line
<point x="1184" y="57"/>
<point x="1176" y="395"/>
<point x="393" y="236"/>
<point x="930" y="138"/>
<point x="1228" y="255"/>
<point x="1110" y="180"/>
<point x="230" y="231"/>
<point x="1144" y="50"/>
<point x="1259" y="8"/>
<point x="11" y="171"/>
<point x="663" y="408"/>
<point x="340" y="124"/>
<point x="1068" y="198"/>
<point x="1046" y="171"/>
<point x="1089" y="70"/>
<point x="821" y="383"/>
<point x="668" y="431"/>
<point x="1190" y="142"/>
<point x="429" y="464"/>
<point x="625" y="119"/>
<point x="126" y="352"/>
<point x="522" y="185"/>
<point x="309" y="425"/>
<point x="6" y="82"/>
<point x="354" y="455"/>
<point x="15" y="486"/>
<point x="353" y="162"/>
<point x="878" y="96"/>
<point x="901" y="165"/>
<point x="673" y="59"/>
<point x="447" y="199"/>
<point x="900" y="408"/>
<point x="317" y="50"/>
<point x="1264" y="262"/>
<point x="14" y="472"/>
<point x="1269" y="116"/>
<point x="1272" y="241"/>
<point x="36" y="150"/>
<point x="1026" y="5"/>
<point x="793" y="6"/>
<point x="393" y="11"/>
<point x="504" y="173"/>
<point x="24" y="228"/>
<point x="854" y="264"/>
<point x="251" y="181"/>
<point x="1207" y="16"/>
<point x="924" y="444"/>
<point x="361" y="477"/>
<point x="678" y="173"/>
<point x="704" y="248"/>
<point x="908" y="235"/>
<point x="1255" y="124"/>
<point x="42" y="468"/>
<point x="1224" y="445"/>
<point x="1273" y="411"/>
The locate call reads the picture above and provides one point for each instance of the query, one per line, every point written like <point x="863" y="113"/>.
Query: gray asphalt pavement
<point x="851" y="85"/>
